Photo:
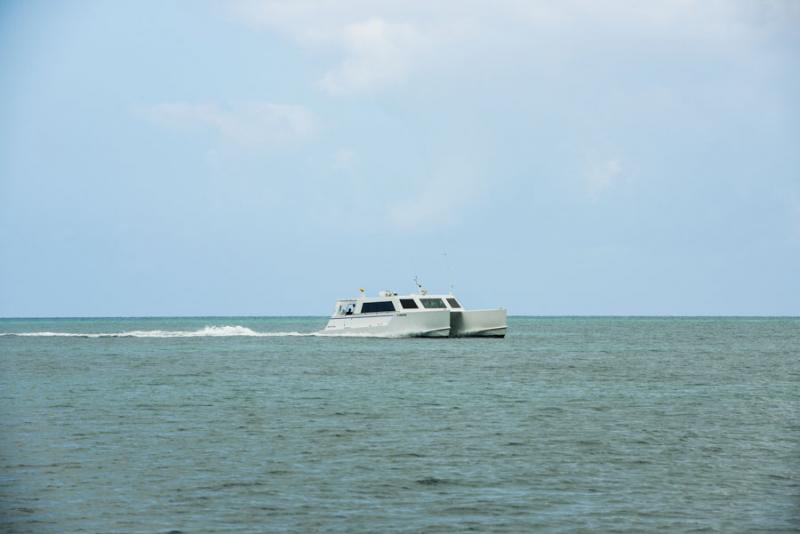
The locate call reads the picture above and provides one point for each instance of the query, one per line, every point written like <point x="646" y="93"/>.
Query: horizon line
<point x="542" y="316"/>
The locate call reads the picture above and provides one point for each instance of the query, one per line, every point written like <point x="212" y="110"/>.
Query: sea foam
<point x="208" y="331"/>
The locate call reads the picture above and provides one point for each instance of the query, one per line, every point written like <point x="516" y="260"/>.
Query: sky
<point x="609" y="157"/>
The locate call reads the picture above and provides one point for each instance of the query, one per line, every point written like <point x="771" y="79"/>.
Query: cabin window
<point x="453" y="302"/>
<point x="381" y="306"/>
<point x="432" y="303"/>
<point x="408" y="304"/>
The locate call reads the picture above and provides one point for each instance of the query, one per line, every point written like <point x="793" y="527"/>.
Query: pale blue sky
<point x="265" y="158"/>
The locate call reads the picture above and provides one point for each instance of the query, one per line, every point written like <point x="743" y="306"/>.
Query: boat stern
<point x="478" y="323"/>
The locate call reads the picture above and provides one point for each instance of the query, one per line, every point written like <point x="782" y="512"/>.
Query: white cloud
<point x="377" y="54"/>
<point x="602" y="177"/>
<point x="345" y="160"/>
<point x="438" y="201"/>
<point x="253" y="124"/>
<point x="380" y="44"/>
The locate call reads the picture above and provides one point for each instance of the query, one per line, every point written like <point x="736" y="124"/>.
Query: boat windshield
<point x="432" y="303"/>
<point x="346" y="308"/>
<point x="453" y="302"/>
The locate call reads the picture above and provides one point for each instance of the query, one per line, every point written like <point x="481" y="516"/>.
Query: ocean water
<point x="244" y="425"/>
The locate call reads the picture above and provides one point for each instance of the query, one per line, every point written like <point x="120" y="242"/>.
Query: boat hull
<point x="423" y="323"/>
<point x="478" y="323"/>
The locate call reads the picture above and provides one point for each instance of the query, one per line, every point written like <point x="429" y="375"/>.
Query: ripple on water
<point x="567" y="424"/>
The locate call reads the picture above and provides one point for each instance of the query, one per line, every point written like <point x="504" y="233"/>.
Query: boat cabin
<point x="388" y="302"/>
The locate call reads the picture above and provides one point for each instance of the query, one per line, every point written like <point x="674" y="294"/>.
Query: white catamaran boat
<point x="415" y="315"/>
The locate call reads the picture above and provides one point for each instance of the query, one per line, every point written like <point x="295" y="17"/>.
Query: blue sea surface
<point x="245" y="425"/>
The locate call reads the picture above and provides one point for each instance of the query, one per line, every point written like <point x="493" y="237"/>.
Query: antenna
<point x="447" y="270"/>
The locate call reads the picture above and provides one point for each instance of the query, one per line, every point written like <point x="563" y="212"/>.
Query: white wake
<point x="208" y="331"/>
